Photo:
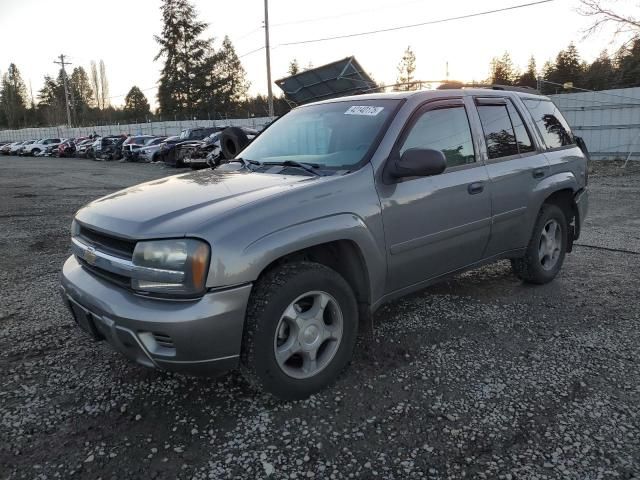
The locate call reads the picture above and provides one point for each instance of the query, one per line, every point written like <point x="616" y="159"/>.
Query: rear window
<point x="552" y="126"/>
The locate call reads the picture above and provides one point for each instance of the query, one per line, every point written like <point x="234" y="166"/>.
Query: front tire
<point x="300" y="330"/>
<point x="547" y="248"/>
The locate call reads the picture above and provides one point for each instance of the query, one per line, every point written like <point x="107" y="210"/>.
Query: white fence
<point x="150" y="128"/>
<point x="609" y="121"/>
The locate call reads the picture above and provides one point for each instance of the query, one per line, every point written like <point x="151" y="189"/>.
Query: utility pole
<point x="66" y="87"/>
<point x="268" y="52"/>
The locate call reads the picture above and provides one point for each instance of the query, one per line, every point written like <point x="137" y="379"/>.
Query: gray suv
<point x="275" y="260"/>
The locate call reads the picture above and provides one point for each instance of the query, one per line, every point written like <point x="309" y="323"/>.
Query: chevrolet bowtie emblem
<point x="90" y="256"/>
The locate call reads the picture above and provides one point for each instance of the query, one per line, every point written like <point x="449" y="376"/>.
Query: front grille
<point x="121" y="280"/>
<point x="108" y="244"/>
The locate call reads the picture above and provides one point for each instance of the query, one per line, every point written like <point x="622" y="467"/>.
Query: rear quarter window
<point x="553" y="127"/>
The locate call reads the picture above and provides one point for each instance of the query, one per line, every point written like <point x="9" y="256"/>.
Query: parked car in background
<point x="84" y="148"/>
<point x="149" y="153"/>
<point x="132" y="144"/>
<point x="68" y="147"/>
<point x="20" y="151"/>
<point x="273" y="261"/>
<point x="109" y="147"/>
<point x="10" y="148"/>
<point x="39" y="146"/>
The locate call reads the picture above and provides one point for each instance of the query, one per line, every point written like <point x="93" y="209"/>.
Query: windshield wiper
<point x="245" y="162"/>
<point x="307" y="167"/>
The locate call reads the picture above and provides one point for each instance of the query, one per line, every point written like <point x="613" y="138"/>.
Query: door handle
<point x="539" y="173"/>
<point x="475" y="187"/>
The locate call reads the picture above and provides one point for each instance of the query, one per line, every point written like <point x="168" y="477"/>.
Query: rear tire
<point x="287" y="322"/>
<point x="547" y="248"/>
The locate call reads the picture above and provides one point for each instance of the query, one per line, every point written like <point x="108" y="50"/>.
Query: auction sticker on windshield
<point x="364" y="110"/>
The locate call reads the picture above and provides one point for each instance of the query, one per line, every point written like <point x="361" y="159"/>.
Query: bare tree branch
<point x="603" y="15"/>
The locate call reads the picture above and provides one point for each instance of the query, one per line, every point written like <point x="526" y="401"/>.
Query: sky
<point x="120" y="32"/>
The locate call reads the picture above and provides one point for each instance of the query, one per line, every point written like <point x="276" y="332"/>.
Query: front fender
<point x="346" y="226"/>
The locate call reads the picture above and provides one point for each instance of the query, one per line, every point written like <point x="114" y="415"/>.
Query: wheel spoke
<point x="331" y="332"/>
<point x="285" y="351"/>
<point x="320" y="301"/>
<point x="309" y="361"/>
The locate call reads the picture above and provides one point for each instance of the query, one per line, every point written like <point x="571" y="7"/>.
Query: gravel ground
<point x="477" y="377"/>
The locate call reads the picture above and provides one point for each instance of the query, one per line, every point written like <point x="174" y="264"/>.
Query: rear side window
<point x="444" y="129"/>
<point x="552" y="125"/>
<point x="522" y="135"/>
<point x="498" y="131"/>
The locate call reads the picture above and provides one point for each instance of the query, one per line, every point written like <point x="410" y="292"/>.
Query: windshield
<point x="331" y="135"/>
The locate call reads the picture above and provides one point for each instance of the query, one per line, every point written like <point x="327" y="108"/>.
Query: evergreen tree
<point x="628" y="62"/>
<point x="136" y="105"/>
<point x="406" y="71"/>
<point x="294" y="68"/>
<point x="183" y="52"/>
<point x="51" y="105"/>
<point x="600" y="75"/>
<point x="502" y="71"/>
<point x="568" y="67"/>
<point x="81" y="93"/>
<point x="13" y="97"/>
<point x="530" y="77"/>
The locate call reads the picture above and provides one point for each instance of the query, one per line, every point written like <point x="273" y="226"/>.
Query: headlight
<point x="171" y="267"/>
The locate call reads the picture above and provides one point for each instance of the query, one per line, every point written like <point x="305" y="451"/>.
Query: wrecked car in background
<point x="217" y="147"/>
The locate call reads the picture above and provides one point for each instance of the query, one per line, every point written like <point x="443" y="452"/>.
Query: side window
<point x="498" y="131"/>
<point x="522" y="135"/>
<point x="552" y="125"/>
<point x="444" y="129"/>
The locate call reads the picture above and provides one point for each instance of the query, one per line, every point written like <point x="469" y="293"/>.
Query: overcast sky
<point x="33" y="33"/>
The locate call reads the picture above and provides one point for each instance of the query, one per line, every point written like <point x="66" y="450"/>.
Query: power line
<point x="431" y="22"/>
<point x="342" y="15"/>
<point x="252" y="51"/>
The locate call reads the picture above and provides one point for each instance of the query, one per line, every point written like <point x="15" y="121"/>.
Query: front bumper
<point x="202" y="336"/>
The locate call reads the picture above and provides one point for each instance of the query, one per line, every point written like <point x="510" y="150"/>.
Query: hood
<point x="177" y="205"/>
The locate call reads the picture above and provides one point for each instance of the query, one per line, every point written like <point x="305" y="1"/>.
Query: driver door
<point x="438" y="224"/>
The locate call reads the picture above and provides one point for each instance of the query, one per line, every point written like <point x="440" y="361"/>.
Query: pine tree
<point x="51" y="107"/>
<point x="136" y="105"/>
<point x="222" y="82"/>
<point x="502" y="71"/>
<point x="628" y="62"/>
<point x="81" y="92"/>
<point x="183" y="52"/>
<point x="13" y="99"/>
<point x="600" y="75"/>
<point x="568" y="67"/>
<point x="294" y="68"/>
<point x="530" y="77"/>
<point x="406" y="71"/>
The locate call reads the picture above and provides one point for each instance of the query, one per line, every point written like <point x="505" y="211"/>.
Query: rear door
<point x="515" y="165"/>
<point x="438" y="224"/>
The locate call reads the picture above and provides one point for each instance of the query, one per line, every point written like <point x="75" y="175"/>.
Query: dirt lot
<point x="478" y="377"/>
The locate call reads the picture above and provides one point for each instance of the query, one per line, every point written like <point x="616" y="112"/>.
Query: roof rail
<point x="512" y="88"/>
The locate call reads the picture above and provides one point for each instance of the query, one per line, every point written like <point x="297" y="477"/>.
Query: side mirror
<point x="419" y="162"/>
